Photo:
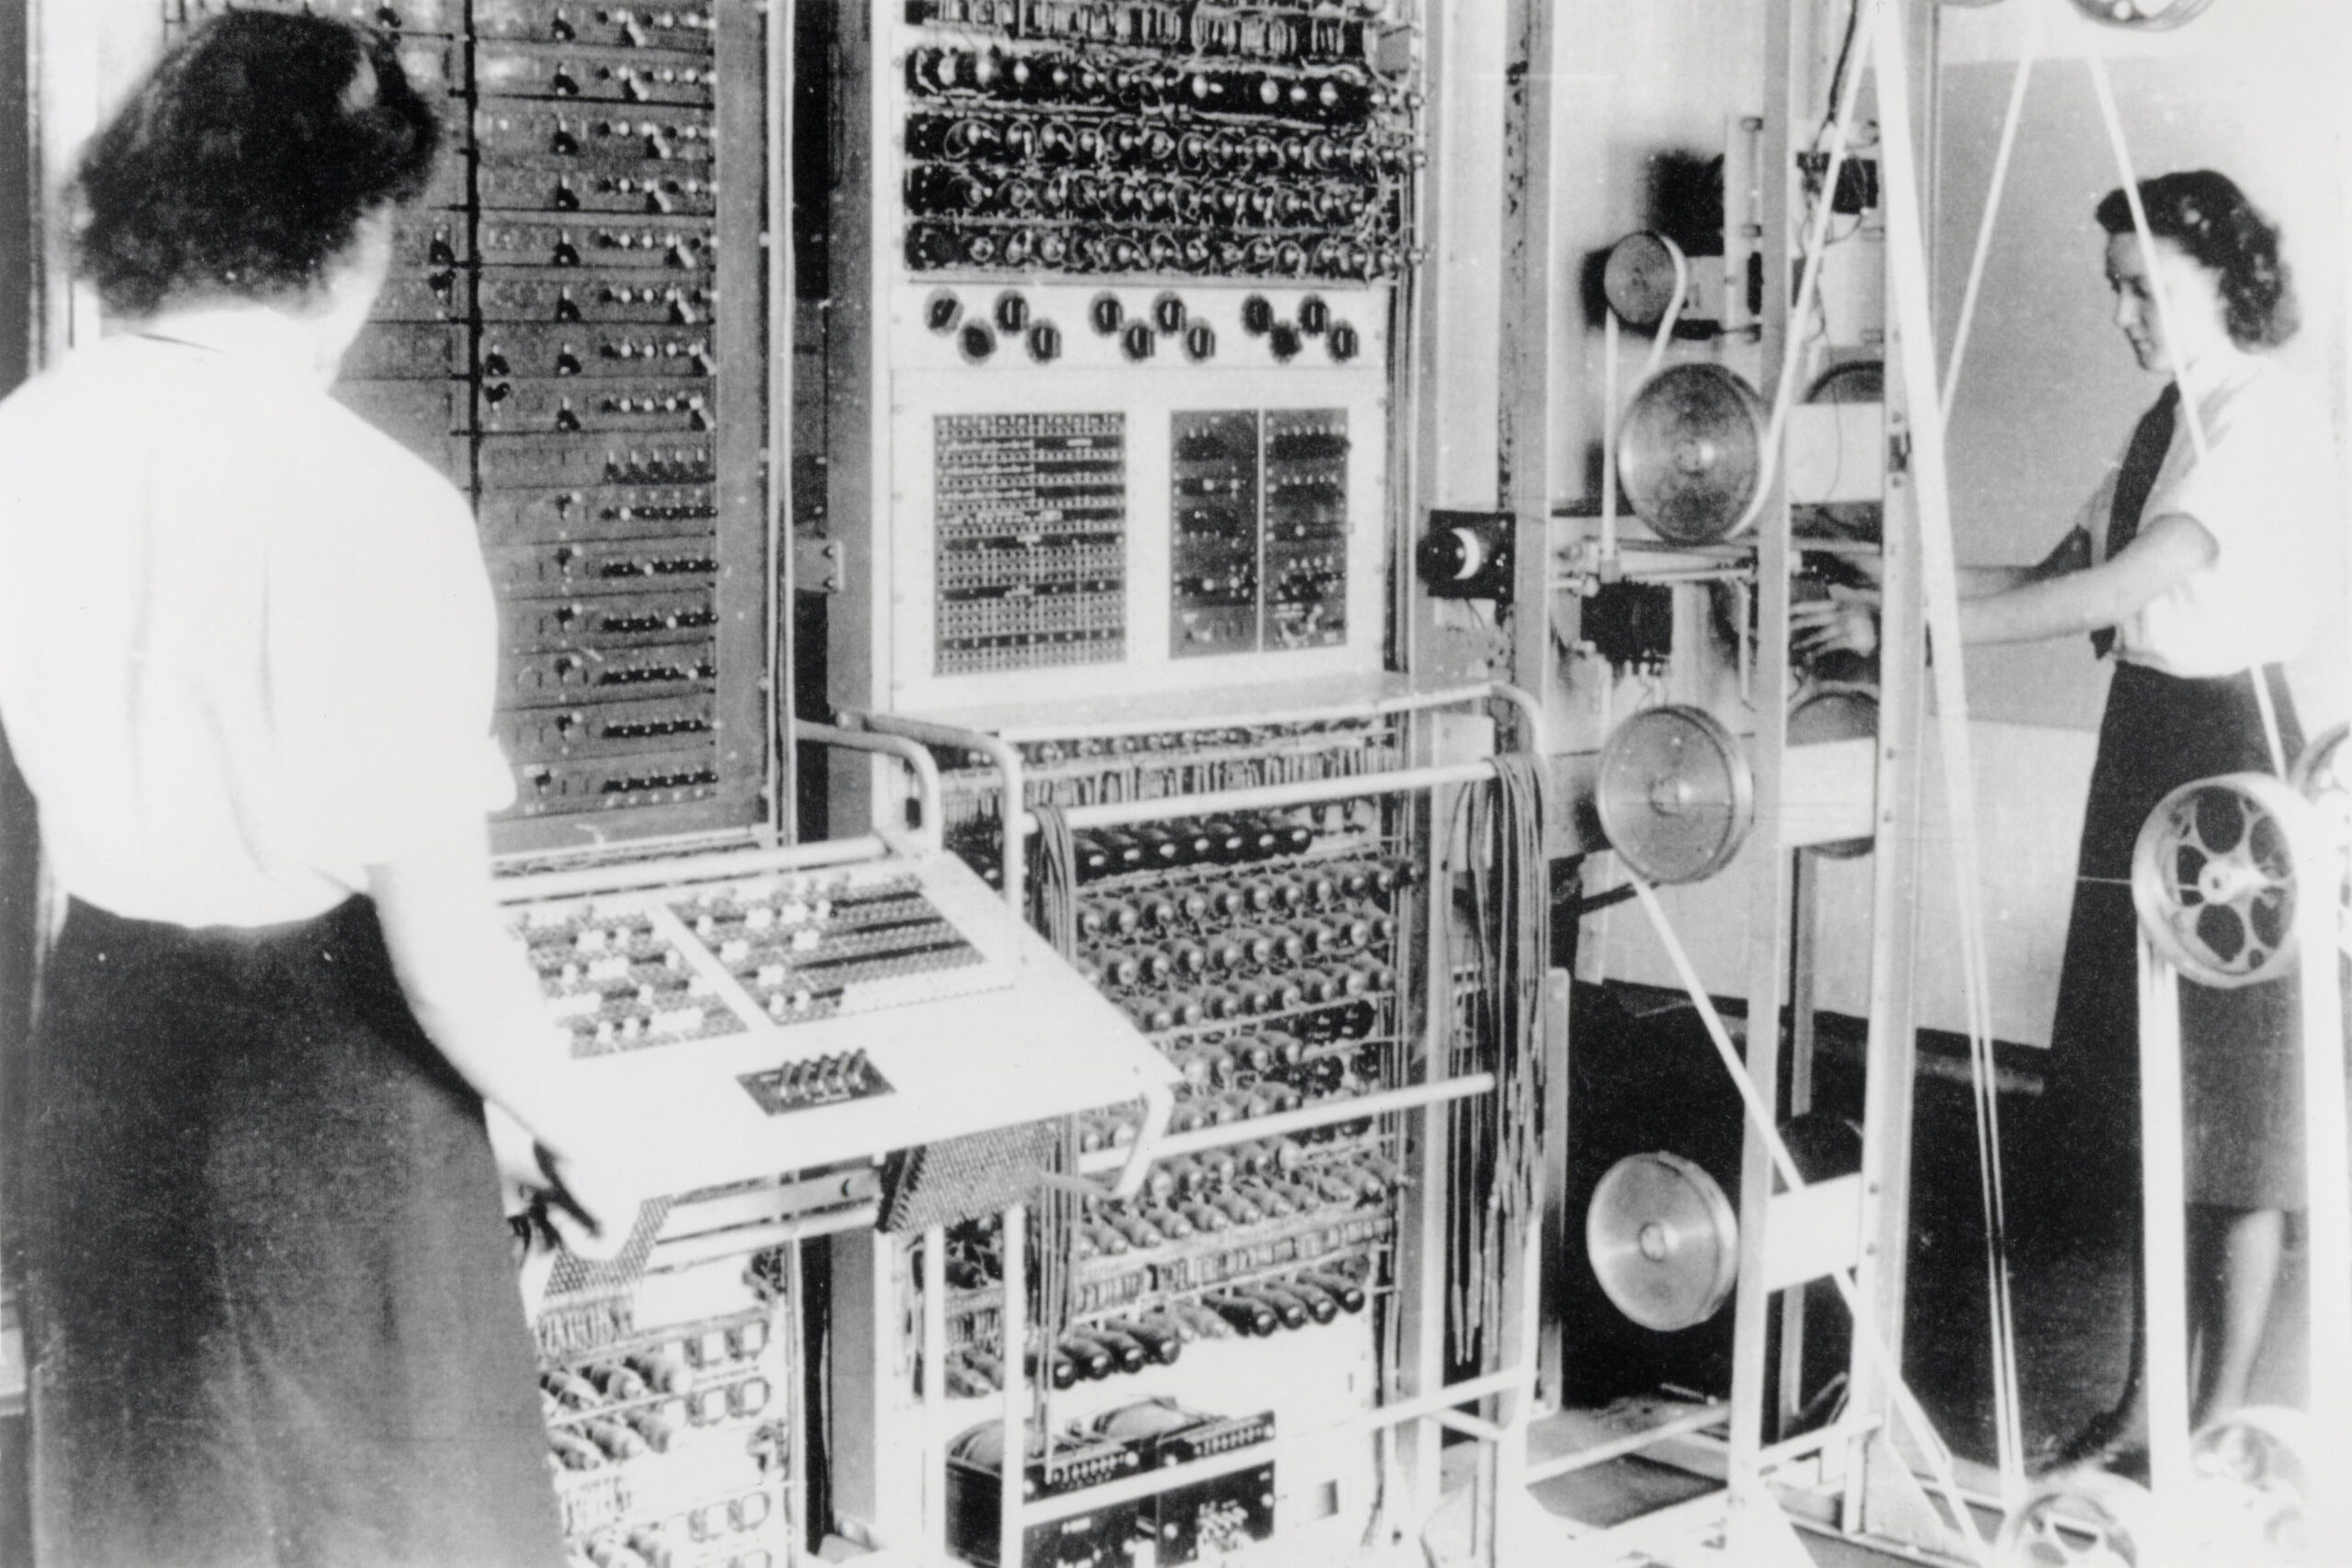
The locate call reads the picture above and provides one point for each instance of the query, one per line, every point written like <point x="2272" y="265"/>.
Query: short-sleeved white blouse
<point x="2265" y="490"/>
<point x="247" y="644"/>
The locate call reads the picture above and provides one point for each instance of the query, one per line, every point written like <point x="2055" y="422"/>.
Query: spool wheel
<point x="1637" y="280"/>
<point x="1691" y="452"/>
<point x="1662" y="1241"/>
<point x="2251" y="1468"/>
<point x="2215" y="877"/>
<point x="1674" y="793"/>
<point x="2084" y="1519"/>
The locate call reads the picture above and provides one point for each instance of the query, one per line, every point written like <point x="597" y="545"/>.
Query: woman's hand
<point x="1845" y="622"/>
<point x="590" y="1205"/>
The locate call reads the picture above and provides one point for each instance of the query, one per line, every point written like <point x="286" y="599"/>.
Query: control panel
<point x="1111" y="346"/>
<point x="758" y="1016"/>
<point x="575" y="332"/>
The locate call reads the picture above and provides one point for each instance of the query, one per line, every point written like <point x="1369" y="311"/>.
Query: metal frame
<point x="1870" y="1487"/>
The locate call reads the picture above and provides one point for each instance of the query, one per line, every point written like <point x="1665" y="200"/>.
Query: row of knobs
<point x="1218" y="1100"/>
<point x="1279" y="995"/>
<point x="1148" y="145"/>
<point x="1326" y="887"/>
<point x="1096" y="1351"/>
<point x="1046" y="753"/>
<point x="1240" y="838"/>
<point x="1243" y="951"/>
<point x="1326" y="98"/>
<point x="931" y="246"/>
<point x="946" y="190"/>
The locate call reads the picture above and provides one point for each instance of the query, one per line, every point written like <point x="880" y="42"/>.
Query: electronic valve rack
<point x="1110" y="509"/>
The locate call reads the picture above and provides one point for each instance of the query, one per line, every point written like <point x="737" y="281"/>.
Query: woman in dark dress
<point x="247" y="661"/>
<point x="2192" y="568"/>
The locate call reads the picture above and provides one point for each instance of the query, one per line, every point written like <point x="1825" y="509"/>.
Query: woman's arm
<point x="2048" y="600"/>
<point x="2167" y="552"/>
<point x="476" y="1000"/>
<point x="2072" y="554"/>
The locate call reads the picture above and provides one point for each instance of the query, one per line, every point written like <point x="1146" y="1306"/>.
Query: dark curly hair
<point x="243" y="163"/>
<point x="2210" y="220"/>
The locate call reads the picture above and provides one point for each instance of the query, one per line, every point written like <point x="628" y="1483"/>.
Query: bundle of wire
<point x="1497" y="1141"/>
<point x="1053" y="908"/>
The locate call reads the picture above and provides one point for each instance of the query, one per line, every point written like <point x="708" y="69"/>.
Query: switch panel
<point x="574" y="332"/>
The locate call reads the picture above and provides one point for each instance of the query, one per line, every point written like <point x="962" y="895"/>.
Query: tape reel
<point x="1691" y="452"/>
<point x="1638" y="279"/>
<point x="1662" y="1241"/>
<point x="2222" y="877"/>
<point x="1675" y="795"/>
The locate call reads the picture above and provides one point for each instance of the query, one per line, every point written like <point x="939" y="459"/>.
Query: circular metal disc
<point x="1838" y="714"/>
<point x="1662" y="1241"/>
<point x="2085" y="1518"/>
<point x="2216" y="873"/>
<point x="1691" y="452"/>
<point x="1637" y="280"/>
<point x="1674" y="793"/>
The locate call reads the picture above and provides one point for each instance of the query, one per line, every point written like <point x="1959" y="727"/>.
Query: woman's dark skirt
<point x="2241" y="1073"/>
<point x="274" y="1319"/>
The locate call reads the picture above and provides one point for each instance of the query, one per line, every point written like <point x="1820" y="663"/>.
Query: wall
<point x="2047" y="395"/>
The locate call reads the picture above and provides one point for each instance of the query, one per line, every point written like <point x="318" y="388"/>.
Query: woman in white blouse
<point x="2194" y="569"/>
<point x="247" y="657"/>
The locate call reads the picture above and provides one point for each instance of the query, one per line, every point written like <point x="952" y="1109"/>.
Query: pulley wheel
<point x="1637" y="280"/>
<point x="1662" y="1240"/>
<point x="2215" y="877"/>
<point x="1674" y="793"/>
<point x="2252" y="1467"/>
<point x="1836" y="715"/>
<point x="1691" y="452"/>
<point x="2082" y="1519"/>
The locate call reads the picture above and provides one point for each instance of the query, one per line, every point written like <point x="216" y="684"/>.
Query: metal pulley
<point x="2221" y="876"/>
<point x="1691" y="452"/>
<point x="1640" y="278"/>
<point x="1674" y="793"/>
<point x="1662" y="1241"/>
<point x="1838" y="714"/>
<point x="2084" y="1519"/>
